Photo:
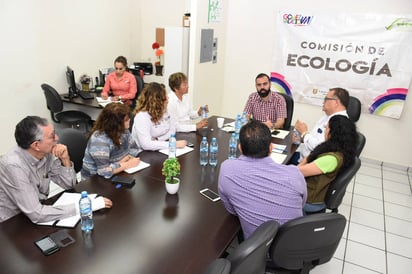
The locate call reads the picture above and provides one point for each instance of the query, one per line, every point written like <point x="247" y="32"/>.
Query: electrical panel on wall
<point x="206" y="45"/>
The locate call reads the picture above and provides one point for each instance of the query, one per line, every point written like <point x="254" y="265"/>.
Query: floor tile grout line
<point x="373" y="198"/>
<point x="400" y="219"/>
<point x="400" y="255"/>
<point x="348" y="222"/>
<point x="361" y="266"/>
<point x="384" y="223"/>
<point x="409" y="180"/>
<point x="401" y="236"/>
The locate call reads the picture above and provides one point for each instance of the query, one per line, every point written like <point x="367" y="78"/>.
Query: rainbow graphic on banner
<point x="389" y="103"/>
<point x="280" y="84"/>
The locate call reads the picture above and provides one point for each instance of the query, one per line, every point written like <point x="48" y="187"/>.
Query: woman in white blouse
<point x="152" y="125"/>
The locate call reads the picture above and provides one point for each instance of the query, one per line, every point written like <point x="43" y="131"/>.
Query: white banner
<point x="370" y="55"/>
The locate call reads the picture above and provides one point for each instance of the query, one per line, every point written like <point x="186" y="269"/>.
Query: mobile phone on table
<point x="47" y="245"/>
<point x="211" y="195"/>
<point x="124" y="181"/>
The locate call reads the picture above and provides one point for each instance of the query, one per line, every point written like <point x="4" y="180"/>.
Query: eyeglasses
<point x="329" y="99"/>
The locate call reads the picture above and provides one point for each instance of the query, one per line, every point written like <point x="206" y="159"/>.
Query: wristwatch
<point x="120" y="98"/>
<point x="302" y="137"/>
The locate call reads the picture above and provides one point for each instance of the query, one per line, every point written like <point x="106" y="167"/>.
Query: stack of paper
<point x="67" y="199"/>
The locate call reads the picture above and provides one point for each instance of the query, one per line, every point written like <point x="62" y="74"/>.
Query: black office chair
<point x="289" y="109"/>
<point x="354" y="109"/>
<point x="360" y="144"/>
<point x="218" y="266"/>
<point x="76" y="142"/>
<point x="139" y="85"/>
<point x="250" y="256"/>
<point x="55" y="104"/>
<point x="337" y="188"/>
<point x="305" y="242"/>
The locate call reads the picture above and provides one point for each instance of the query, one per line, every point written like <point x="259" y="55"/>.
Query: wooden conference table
<point x="146" y="230"/>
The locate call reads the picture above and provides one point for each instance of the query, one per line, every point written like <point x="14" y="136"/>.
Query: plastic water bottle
<point x="214" y="152"/>
<point x="204" y="151"/>
<point x="204" y="112"/>
<point x="238" y="125"/>
<point x="172" y="146"/>
<point x="297" y="134"/>
<point x="232" y="146"/>
<point x="244" y="118"/>
<point x="86" y="212"/>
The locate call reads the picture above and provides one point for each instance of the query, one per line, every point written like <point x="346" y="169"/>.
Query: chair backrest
<point x="337" y="187"/>
<point x="53" y="100"/>
<point x="76" y="142"/>
<point x="140" y="85"/>
<point x="307" y="241"/>
<point x="218" y="266"/>
<point x="289" y="109"/>
<point x="361" y="143"/>
<point x="354" y="109"/>
<point x="250" y="256"/>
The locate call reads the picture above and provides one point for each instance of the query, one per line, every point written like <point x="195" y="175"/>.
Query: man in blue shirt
<point x="255" y="188"/>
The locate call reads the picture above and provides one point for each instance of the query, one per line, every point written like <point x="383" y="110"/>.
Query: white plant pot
<point x="172" y="188"/>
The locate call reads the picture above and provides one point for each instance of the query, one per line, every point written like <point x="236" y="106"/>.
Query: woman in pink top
<point x="121" y="83"/>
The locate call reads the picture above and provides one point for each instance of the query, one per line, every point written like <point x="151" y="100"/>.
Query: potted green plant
<point x="171" y="168"/>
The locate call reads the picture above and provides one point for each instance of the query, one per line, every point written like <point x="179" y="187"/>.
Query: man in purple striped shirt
<point x="265" y="105"/>
<point x="257" y="189"/>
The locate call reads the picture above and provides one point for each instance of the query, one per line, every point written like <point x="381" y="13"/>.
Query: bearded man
<point x="265" y="105"/>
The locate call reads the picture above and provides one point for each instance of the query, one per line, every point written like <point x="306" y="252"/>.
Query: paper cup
<point x="220" y="122"/>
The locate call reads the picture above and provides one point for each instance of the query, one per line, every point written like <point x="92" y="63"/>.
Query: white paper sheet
<point x="179" y="151"/>
<point x="277" y="157"/>
<point x="68" y="198"/>
<point x="278" y="148"/>
<point x="228" y="129"/>
<point x="103" y="102"/>
<point x="140" y="166"/>
<point x="281" y="134"/>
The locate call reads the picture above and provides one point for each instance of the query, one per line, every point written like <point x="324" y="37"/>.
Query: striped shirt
<point x="102" y="156"/>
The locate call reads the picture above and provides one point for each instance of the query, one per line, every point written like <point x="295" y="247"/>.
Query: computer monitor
<point x="72" y="82"/>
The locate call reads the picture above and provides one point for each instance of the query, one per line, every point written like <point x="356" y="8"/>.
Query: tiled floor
<point x="378" y="234"/>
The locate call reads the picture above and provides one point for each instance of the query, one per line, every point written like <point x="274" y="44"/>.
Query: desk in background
<point x="89" y="106"/>
<point x="146" y="231"/>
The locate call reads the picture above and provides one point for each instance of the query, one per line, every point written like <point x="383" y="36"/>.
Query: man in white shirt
<point x="179" y="106"/>
<point x="335" y="103"/>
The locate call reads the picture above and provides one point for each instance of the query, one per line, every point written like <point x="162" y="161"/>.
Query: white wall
<point x="206" y="80"/>
<point x="40" y="38"/>
<point x="249" y="49"/>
